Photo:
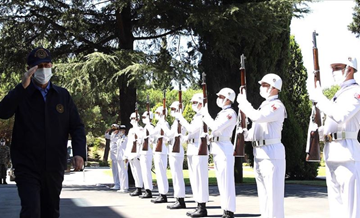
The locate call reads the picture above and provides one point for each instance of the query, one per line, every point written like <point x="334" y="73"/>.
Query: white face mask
<point x="339" y="77"/>
<point x="195" y="107"/>
<point x="157" y="116"/>
<point x="42" y="75"/>
<point x="220" y="102"/>
<point x="121" y="133"/>
<point x="133" y="122"/>
<point x="265" y="92"/>
<point x="145" y="121"/>
<point x="172" y="113"/>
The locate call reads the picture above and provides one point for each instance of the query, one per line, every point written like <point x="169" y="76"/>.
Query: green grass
<point x="247" y="179"/>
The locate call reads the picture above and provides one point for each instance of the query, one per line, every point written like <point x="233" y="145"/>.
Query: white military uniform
<point x="197" y="164"/>
<point x="176" y="159"/>
<point x="134" y="157"/>
<point x="269" y="158"/>
<point x="113" y="156"/>
<point x="146" y="156"/>
<point x="342" y="155"/>
<point x="122" y="166"/>
<point x="160" y="159"/>
<point x="222" y="150"/>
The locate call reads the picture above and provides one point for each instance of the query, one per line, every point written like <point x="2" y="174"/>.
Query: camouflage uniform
<point x="4" y="161"/>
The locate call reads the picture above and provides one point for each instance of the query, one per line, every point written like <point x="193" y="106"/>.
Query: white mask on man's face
<point x="157" y="116"/>
<point x="195" y="107"/>
<point x="133" y="122"/>
<point x="264" y="91"/>
<point x="220" y="102"/>
<point x="339" y="77"/>
<point x="42" y="75"/>
<point x="145" y="121"/>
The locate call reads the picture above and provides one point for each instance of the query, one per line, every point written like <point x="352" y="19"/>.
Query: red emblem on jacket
<point x="274" y="107"/>
<point x="357" y="96"/>
<point x="229" y="116"/>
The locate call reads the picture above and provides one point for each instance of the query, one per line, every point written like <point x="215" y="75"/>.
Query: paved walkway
<point x="87" y="195"/>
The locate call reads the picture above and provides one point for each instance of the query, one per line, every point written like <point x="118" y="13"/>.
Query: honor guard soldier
<point x="340" y="130"/>
<point x="122" y="166"/>
<point x="113" y="156"/>
<point x="197" y="164"/>
<point x="269" y="152"/>
<point x="176" y="158"/>
<point x="146" y="154"/>
<point x="222" y="149"/>
<point x="132" y="153"/>
<point x="160" y="156"/>
<point x="4" y="160"/>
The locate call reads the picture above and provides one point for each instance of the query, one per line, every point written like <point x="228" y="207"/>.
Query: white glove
<point x="242" y="100"/>
<point x="313" y="126"/>
<point x="177" y="115"/>
<point x="316" y="94"/>
<point x="204" y="111"/>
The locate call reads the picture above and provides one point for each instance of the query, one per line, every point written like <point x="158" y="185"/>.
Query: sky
<point x="330" y="20"/>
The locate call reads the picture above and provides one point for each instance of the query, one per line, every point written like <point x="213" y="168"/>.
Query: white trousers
<point x="160" y="163"/>
<point x="270" y="181"/>
<point x="199" y="177"/>
<point x="136" y="172"/>
<point x="123" y="174"/>
<point x="176" y="167"/>
<point x="343" y="183"/>
<point x="224" y="168"/>
<point x="146" y="164"/>
<point x="114" y="169"/>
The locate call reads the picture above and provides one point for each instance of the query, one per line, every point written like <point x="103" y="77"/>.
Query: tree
<point x="296" y="101"/>
<point x="354" y="26"/>
<point x="74" y="29"/>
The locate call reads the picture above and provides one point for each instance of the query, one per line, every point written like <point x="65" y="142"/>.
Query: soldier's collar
<point x="272" y="98"/>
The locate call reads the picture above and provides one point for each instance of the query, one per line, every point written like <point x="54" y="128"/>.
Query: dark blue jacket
<point x="41" y="129"/>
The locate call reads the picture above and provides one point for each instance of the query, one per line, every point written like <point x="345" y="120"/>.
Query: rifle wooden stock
<point x="177" y="144"/>
<point x="146" y="140"/>
<point x="160" y="140"/>
<point x="239" y="150"/>
<point x="203" y="148"/>
<point x="133" y="149"/>
<point x="314" y="150"/>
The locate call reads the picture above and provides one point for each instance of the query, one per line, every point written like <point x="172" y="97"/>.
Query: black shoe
<point x="0" y="181"/>
<point x="200" y="211"/>
<point x="228" y="214"/>
<point x="160" y="199"/>
<point x="179" y="204"/>
<point x="4" y="182"/>
<point x="146" y="194"/>
<point x="137" y="192"/>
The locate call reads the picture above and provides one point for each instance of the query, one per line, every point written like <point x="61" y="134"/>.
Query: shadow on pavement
<point x="69" y="209"/>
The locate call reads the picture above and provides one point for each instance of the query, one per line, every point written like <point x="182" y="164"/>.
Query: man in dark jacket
<point x="45" y="115"/>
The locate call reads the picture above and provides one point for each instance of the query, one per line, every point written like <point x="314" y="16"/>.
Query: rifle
<point x="203" y="149"/>
<point x="146" y="140"/>
<point x="176" y="147"/>
<point x="160" y="140"/>
<point x="313" y="147"/>
<point x="133" y="149"/>
<point x="239" y="150"/>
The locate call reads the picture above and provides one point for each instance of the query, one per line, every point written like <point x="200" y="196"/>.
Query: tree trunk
<point x="127" y="91"/>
